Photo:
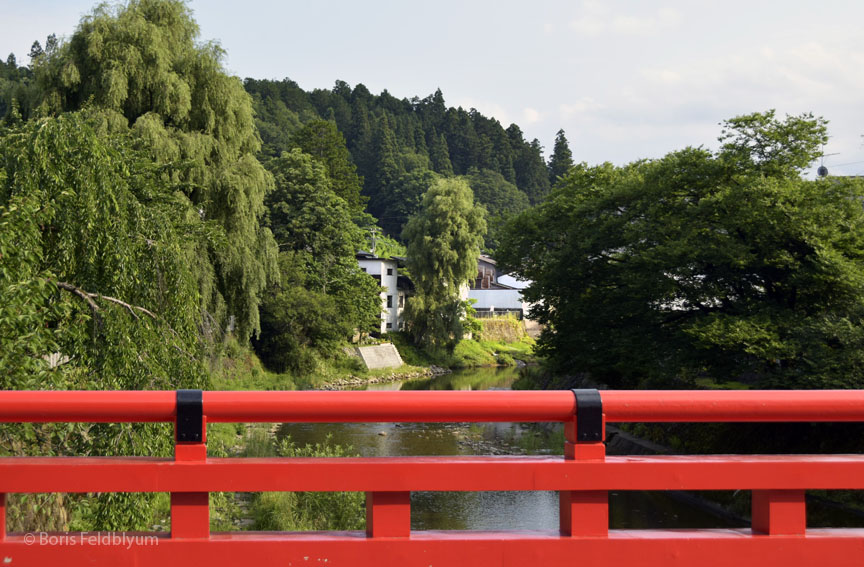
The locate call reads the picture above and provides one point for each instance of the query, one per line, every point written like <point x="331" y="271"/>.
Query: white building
<point x="394" y="287"/>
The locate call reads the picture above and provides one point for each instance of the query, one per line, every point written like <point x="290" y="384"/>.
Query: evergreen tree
<point x="402" y="201"/>
<point x="500" y="198"/>
<point x="386" y="161"/>
<point x="443" y="243"/>
<point x="321" y="140"/>
<point x="439" y="155"/>
<point x="561" y="160"/>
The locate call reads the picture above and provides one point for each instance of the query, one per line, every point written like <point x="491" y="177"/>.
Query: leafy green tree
<point x="96" y="257"/>
<point x="774" y="147"/>
<point x="321" y="140"/>
<point x="142" y="65"/>
<point x="724" y="265"/>
<point x="443" y="243"/>
<point x="561" y="160"/>
<point x="323" y="297"/>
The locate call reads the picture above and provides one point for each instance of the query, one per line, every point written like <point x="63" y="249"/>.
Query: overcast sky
<point x="624" y="79"/>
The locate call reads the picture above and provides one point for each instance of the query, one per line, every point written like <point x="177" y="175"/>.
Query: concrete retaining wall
<point x="380" y="356"/>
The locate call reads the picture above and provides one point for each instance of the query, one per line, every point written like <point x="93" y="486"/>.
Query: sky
<point x="626" y="80"/>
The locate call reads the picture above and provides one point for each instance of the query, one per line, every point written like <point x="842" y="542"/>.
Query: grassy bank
<point x="240" y="369"/>
<point x="501" y="341"/>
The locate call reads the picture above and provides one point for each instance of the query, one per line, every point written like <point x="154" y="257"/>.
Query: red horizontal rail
<point x="625" y="548"/>
<point x="374" y="474"/>
<point x="431" y="406"/>
<point x="583" y="477"/>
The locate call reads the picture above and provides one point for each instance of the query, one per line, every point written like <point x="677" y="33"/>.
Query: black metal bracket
<point x="589" y="416"/>
<point x="190" y="416"/>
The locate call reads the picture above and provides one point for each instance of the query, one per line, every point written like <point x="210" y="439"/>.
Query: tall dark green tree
<point x="439" y="155"/>
<point x="321" y="140"/>
<point x="501" y="199"/>
<point x="561" y="160"/>
<point x="322" y="297"/>
<point x="444" y="241"/>
<point x="402" y="201"/>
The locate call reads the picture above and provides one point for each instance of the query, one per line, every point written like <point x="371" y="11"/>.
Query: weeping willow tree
<point x="98" y="293"/>
<point x="444" y="240"/>
<point x="142" y="67"/>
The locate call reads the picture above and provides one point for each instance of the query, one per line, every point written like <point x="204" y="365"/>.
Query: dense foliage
<point x="95" y="250"/>
<point x="142" y="66"/>
<point x="724" y="264"/>
<point x="444" y="241"/>
<point x="322" y="296"/>
<point x="399" y="145"/>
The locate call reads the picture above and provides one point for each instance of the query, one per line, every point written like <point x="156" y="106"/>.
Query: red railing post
<point x="585" y="512"/>
<point x="388" y="514"/>
<point x="2" y="516"/>
<point x="190" y="511"/>
<point x="779" y="512"/>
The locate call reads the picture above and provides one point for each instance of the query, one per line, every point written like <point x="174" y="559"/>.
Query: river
<point x="524" y="510"/>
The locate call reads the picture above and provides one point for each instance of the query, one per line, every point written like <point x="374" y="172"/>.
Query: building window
<point x="389" y="301"/>
<point x="389" y="271"/>
<point x="364" y="269"/>
<point x="401" y="301"/>
<point x="389" y="325"/>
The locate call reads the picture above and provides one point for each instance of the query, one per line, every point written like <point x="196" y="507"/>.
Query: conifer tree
<point x="321" y="140"/>
<point x="439" y="155"/>
<point x="561" y="160"/>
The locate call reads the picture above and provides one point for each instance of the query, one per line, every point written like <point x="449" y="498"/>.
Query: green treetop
<point x="323" y="141"/>
<point x="723" y="265"/>
<point x="561" y="160"/>
<point x="141" y="64"/>
<point x="443" y="242"/>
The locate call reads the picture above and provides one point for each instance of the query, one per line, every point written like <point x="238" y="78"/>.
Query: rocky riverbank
<point x="352" y="381"/>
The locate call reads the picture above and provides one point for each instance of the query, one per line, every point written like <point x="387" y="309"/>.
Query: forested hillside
<point x="400" y="145"/>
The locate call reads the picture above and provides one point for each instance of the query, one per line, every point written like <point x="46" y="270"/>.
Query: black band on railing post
<point x="190" y="416"/>
<point x="589" y="416"/>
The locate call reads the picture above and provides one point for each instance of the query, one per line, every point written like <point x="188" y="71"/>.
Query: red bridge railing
<point x="583" y="476"/>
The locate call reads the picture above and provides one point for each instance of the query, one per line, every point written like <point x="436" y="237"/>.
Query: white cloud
<point x="530" y="115"/>
<point x="588" y="26"/>
<point x="579" y="106"/>
<point x="597" y="19"/>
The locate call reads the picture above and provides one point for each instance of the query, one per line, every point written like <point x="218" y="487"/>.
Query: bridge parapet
<point x="584" y="476"/>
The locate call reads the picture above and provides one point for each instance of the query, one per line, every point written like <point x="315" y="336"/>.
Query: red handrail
<point x="437" y="406"/>
<point x="584" y="476"/>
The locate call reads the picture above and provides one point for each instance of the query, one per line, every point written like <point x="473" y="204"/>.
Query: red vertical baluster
<point x="388" y="514"/>
<point x="779" y="512"/>
<point x="2" y="516"/>
<point x="584" y="513"/>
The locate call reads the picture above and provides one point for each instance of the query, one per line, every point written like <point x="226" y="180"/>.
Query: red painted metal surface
<point x="583" y="477"/>
<point x="436" y="406"/>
